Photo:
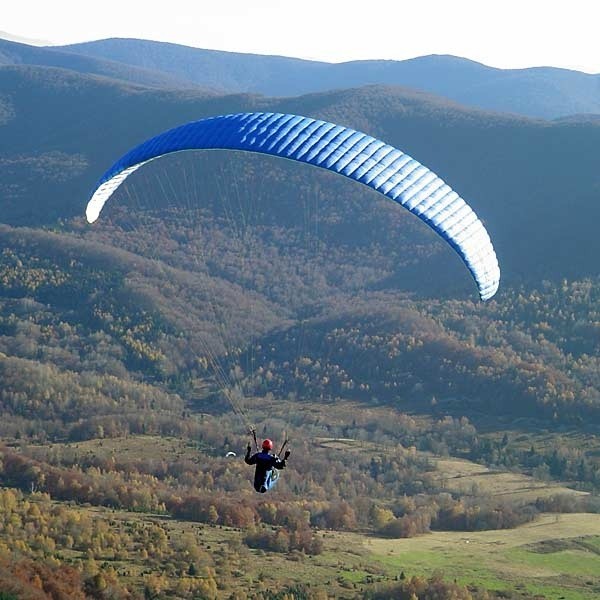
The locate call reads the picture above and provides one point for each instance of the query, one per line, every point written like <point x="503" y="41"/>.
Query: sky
<point x="499" y="33"/>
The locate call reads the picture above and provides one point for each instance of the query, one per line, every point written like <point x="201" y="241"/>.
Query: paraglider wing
<point x="335" y="148"/>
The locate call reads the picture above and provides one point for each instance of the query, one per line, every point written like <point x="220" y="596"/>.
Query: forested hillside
<point x="209" y="252"/>
<point x="220" y="290"/>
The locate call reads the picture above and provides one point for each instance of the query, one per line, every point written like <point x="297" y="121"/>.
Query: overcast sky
<point x="500" y="33"/>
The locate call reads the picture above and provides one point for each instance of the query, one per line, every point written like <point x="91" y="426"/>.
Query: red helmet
<point x="267" y="445"/>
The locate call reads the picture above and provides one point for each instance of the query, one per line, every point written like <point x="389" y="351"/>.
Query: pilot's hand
<point x="248" y="449"/>
<point x="286" y="455"/>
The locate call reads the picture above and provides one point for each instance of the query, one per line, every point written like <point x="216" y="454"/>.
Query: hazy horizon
<point x="334" y="32"/>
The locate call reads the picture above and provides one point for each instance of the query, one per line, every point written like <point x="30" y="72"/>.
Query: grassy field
<point x="556" y="556"/>
<point x="508" y="559"/>
<point x="343" y="568"/>
<point x="135" y="447"/>
<point x="469" y="478"/>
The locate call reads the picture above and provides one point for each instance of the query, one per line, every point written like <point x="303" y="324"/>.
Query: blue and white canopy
<point x="335" y="148"/>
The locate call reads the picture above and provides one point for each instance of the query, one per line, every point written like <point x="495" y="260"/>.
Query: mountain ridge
<point x="539" y="92"/>
<point x="17" y="53"/>
<point x="544" y="92"/>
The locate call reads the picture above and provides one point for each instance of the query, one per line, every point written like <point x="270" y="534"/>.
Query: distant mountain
<point x="14" y="53"/>
<point x="542" y="92"/>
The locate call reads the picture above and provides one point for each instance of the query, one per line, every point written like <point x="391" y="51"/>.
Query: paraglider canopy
<point x="351" y="153"/>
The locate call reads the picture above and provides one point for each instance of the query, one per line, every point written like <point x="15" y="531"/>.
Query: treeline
<point x="561" y="462"/>
<point x="340" y="493"/>
<point x="434" y="588"/>
<point x="210" y="491"/>
<point x="403" y="588"/>
<point x="284" y="539"/>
